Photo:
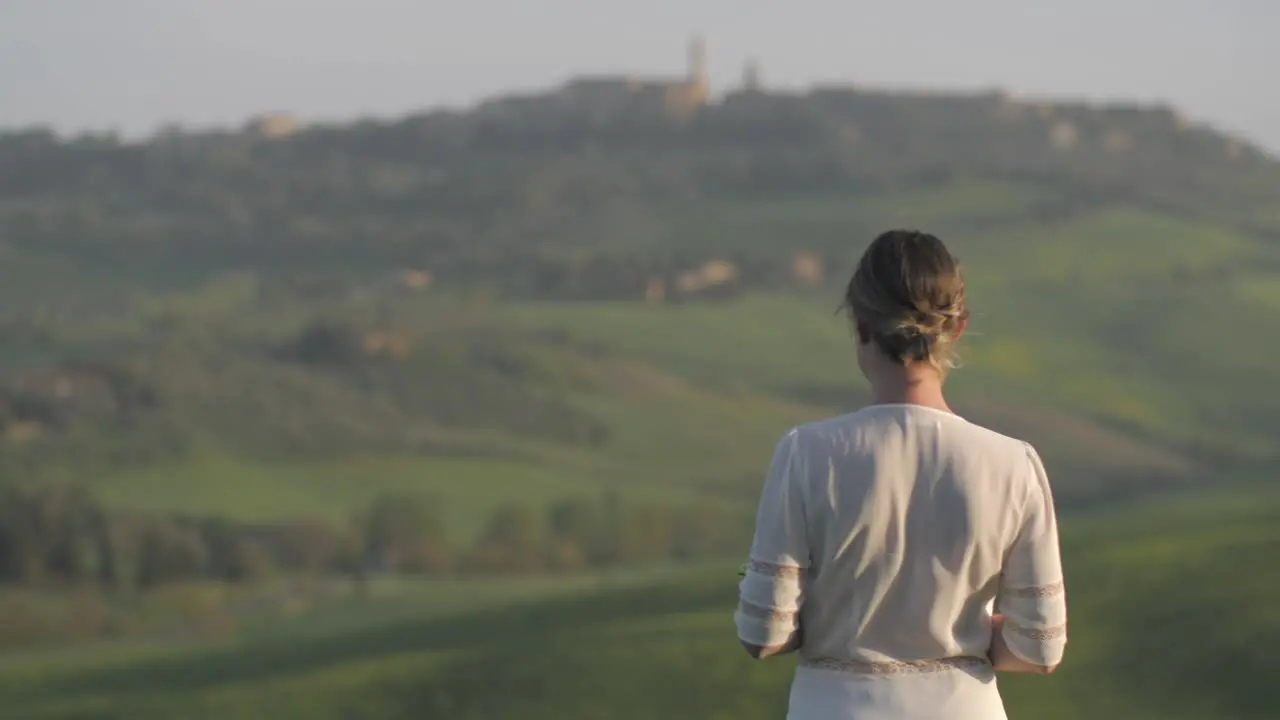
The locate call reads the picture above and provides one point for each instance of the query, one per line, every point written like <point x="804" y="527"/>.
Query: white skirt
<point x="967" y="693"/>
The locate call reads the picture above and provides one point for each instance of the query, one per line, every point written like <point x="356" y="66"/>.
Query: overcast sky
<point x="133" y="65"/>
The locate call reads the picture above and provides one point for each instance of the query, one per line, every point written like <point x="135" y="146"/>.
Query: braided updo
<point x="907" y="295"/>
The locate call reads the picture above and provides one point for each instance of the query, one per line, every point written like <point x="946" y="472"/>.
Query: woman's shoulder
<point x="996" y="439"/>
<point x="871" y="422"/>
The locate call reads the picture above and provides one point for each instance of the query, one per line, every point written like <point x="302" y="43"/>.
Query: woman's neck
<point x="919" y="384"/>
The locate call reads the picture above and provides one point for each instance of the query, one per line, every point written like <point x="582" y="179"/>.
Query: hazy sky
<point x="135" y="64"/>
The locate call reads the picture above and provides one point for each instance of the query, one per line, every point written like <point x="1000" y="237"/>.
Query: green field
<point x="694" y="397"/>
<point x="1100" y="372"/>
<point x="331" y="490"/>
<point x="219" y="335"/>
<point x="1154" y="596"/>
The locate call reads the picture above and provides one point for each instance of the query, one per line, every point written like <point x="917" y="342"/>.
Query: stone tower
<point x="684" y="99"/>
<point x="751" y="77"/>
<point x="698" y="63"/>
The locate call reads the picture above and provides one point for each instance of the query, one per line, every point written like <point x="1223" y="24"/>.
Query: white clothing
<point x="884" y="538"/>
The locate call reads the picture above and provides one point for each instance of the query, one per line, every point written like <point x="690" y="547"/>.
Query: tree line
<point x="60" y="536"/>
<point x="384" y="389"/>
<point x="545" y="176"/>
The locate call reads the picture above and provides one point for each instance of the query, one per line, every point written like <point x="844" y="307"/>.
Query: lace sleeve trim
<point x="1050" y="633"/>
<point x="755" y="612"/>
<point x="771" y="569"/>
<point x="1038" y="592"/>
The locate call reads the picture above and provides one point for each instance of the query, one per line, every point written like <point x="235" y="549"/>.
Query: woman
<point x="885" y="537"/>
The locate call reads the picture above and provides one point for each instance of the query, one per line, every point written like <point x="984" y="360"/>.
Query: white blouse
<point x="884" y="538"/>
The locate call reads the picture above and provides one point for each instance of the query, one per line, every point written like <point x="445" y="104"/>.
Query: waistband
<point x="912" y="667"/>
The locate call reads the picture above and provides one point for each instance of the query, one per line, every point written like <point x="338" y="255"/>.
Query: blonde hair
<point x="907" y="296"/>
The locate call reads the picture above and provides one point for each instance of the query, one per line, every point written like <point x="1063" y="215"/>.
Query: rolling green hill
<point x="1119" y="364"/>
<point x="572" y="296"/>
<point x="1157" y="599"/>
<point x="655" y="402"/>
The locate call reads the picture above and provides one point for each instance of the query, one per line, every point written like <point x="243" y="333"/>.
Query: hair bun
<point x="908" y="294"/>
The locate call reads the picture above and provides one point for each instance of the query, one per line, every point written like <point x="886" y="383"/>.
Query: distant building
<point x="807" y="268"/>
<point x="414" y="279"/>
<point x="680" y="97"/>
<point x="1064" y="136"/>
<point x="388" y="344"/>
<point x="751" y="77"/>
<point x="1117" y="141"/>
<point x="688" y="96"/>
<point x="1008" y="109"/>
<point x="273" y="126"/>
<point x="711" y="274"/>
<point x="656" y="291"/>
<point x="407" y="280"/>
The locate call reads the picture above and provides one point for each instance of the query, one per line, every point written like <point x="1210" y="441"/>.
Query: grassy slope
<point x="671" y="441"/>
<point x="1081" y="327"/>
<point x="695" y="412"/>
<point x="1171" y="619"/>
<point x="333" y="489"/>
<point x="787" y="344"/>
<point x="1125" y="316"/>
<point x="1084" y="316"/>
<point x="829" y="222"/>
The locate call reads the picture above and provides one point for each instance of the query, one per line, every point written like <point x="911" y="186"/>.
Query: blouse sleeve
<point x="772" y="587"/>
<point x="1032" y="592"/>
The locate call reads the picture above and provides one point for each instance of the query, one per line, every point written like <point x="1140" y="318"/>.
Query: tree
<point x="403" y="532"/>
<point x="235" y="553"/>
<point x="308" y="545"/>
<point x="169" y="552"/>
<point x="325" y="343"/>
<point x="512" y="541"/>
<point x="50" y="534"/>
<point x="700" y="531"/>
<point x="644" y="535"/>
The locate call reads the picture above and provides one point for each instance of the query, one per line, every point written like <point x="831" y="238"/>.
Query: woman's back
<point x="910" y="513"/>
<point x="885" y="538"/>
<point x="889" y="533"/>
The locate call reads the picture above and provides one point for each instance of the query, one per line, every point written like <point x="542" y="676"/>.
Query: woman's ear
<point x="962" y="327"/>
<point x="864" y="333"/>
